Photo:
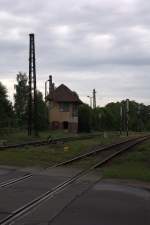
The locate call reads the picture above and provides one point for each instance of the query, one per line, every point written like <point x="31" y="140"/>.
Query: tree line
<point x="108" y="118"/>
<point x="101" y="118"/>
<point x="16" y="115"/>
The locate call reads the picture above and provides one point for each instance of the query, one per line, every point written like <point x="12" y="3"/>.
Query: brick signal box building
<point x="62" y="107"/>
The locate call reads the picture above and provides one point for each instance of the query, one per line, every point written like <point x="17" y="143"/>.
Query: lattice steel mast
<point x="32" y="115"/>
<point x="94" y="99"/>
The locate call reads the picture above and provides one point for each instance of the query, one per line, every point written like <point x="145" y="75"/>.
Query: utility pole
<point x="32" y="115"/>
<point x="123" y="116"/>
<point x="49" y="88"/>
<point x="127" y="116"/>
<point x="121" y="119"/>
<point x="90" y="97"/>
<point x="94" y="99"/>
<point x="139" y="126"/>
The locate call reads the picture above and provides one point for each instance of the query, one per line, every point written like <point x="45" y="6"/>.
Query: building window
<point x="75" y="110"/>
<point x="64" y="107"/>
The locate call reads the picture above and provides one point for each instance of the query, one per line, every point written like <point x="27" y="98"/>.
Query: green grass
<point x="133" y="165"/>
<point x="15" y="136"/>
<point x="22" y="136"/>
<point x="18" y="136"/>
<point x="44" y="156"/>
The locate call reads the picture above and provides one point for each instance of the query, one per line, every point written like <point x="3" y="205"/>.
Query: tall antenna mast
<point x="94" y="99"/>
<point x="32" y="119"/>
<point x="127" y="116"/>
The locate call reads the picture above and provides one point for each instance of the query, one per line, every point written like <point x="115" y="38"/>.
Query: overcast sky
<point x="101" y="44"/>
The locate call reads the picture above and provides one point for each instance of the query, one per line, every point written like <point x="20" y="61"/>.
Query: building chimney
<point x="53" y="87"/>
<point x="50" y="84"/>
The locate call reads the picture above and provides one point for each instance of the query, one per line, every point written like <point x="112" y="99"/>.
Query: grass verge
<point x="22" y="136"/>
<point x="133" y="165"/>
<point x="44" y="156"/>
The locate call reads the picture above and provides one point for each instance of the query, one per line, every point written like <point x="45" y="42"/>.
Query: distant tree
<point x="113" y="115"/>
<point x="6" y="109"/>
<point x="85" y="118"/>
<point x="21" y="99"/>
<point x="108" y="117"/>
<point x="96" y="119"/>
<point x="106" y="120"/>
<point x="139" y="117"/>
<point x="42" y="112"/>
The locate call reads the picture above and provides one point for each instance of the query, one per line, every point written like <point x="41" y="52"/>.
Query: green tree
<point x="85" y="118"/>
<point x="21" y="99"/>
<point x="96" y="118"/>
<point x="6" y="109"/>
<point x="42" y="112"/>
<point x="113" y="115"/>
<point x="108" y="117"/>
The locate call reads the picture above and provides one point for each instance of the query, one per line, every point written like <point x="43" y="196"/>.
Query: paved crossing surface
<point x="89" y="201"/>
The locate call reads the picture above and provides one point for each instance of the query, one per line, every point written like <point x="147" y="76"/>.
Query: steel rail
<point x="15" y="180"/>
<point x="49" y="194"/>
<point x="47" y="142"/>
<point x="74" y="159"/>
<point x="96" y="151"/>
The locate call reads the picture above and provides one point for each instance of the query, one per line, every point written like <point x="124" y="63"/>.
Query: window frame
<point x="64" y="107"/>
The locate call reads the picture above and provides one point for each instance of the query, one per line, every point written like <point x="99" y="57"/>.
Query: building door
<point x="65" y="125"/>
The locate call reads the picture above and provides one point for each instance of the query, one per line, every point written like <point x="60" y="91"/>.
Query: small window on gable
<point x="64" y="107"/>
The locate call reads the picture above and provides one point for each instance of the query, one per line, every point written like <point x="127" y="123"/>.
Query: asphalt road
<point x="21" y="193"/>
<point x="107" y="204"/>
<point x="87" y="202"/>
<point x="7" y="173"/>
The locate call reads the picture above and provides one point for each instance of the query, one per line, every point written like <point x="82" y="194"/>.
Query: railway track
<point x="94" y="152"/>
<point x="97" y="150"/>
<point x="48" y="141"/>
<point x="117" y="149"/>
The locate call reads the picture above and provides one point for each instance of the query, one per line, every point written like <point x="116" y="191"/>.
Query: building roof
<point x="63" y="94"/>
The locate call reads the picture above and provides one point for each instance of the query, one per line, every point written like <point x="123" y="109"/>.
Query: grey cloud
<point x="101" y="44"/>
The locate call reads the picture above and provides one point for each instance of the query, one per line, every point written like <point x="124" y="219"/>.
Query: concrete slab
<point x="108" y="202"/>
<point x="51" y="208"/>
<point x="10" y="173"/>
<point x="21" y="193"/>
<point x="105" y="203"/>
